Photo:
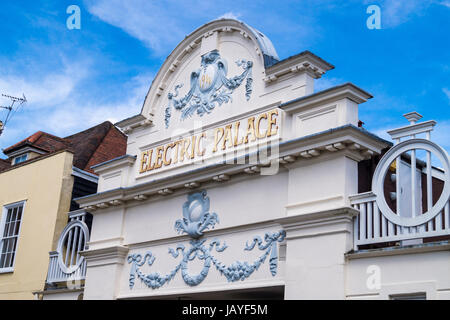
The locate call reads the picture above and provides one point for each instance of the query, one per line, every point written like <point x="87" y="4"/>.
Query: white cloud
<point x="325" y="83"/>
<point x="63" y="94"/>
<point x="440" y="135"/>
<point x="397" y="12"/>
<point x="47" y="93"/>
<point x="158" y="26"/>
<point x="74" y="115"/>
<point x="56" y="106"/>
<point x="44" y="89"/>
<point x="447" y="93"/>
<point x="230" y="15"/>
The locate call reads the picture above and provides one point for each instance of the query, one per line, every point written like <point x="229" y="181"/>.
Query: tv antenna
<point x="15" y="104"/>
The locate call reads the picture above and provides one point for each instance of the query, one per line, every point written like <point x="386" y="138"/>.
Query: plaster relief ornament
<point x="196" y="219"/>
<point x="209" y="87"/>
<point x="196" y="216"/>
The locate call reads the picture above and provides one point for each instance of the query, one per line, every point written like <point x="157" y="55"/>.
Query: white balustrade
<point x="66" y="263"/>
<point x="377" y="223"/>
<point x="372" y="226"/>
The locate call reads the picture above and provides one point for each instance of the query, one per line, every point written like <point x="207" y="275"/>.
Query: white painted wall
<point x="400" y="274"/>
<point x="308" y="198"/>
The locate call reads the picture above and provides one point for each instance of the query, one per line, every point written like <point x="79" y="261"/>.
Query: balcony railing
<point x="371" y="226"/>
<point x="402" y="219"/>
<point x="66" y="263"/>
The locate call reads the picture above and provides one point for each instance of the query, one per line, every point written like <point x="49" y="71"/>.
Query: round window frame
<point x="71" y="225"/>
<point x="383" y="167"/>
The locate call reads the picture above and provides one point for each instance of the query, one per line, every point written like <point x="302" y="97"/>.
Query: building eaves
<point x="42" y="157"/>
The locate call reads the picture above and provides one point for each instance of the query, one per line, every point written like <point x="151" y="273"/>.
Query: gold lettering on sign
<point x="194" y="138"/>
<point x="226" y="137"/>
<point x="236" y="135"/>
<point x="177" y="143"/>
<point x="143" y="166"/>
<point x="216" y="138"/>
<point x="146" y="161"/>
<point x="202" y="153"/>
<point x="272" y="122"/>
<point x="165" y="161"/>
<point x="258" y="124"/>
<point x="184" y="149"/>
<point x="158" y="163"/>
<point x="250" y="130"/>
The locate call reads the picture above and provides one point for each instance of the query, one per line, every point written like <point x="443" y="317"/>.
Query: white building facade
<point x="240" y="181"/>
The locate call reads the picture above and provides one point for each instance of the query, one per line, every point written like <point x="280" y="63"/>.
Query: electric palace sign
<point x="240" y="135"/>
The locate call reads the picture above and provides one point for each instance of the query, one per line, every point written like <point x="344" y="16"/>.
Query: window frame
<point x="2" y="230"/>
<point x="18" y="157"/>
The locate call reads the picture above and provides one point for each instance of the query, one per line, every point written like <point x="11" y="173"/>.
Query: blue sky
<point x="75" y="79"/>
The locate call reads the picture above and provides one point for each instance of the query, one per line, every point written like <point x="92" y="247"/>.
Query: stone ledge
<point x="392" y="251"/>
<point x="105" y="256"/>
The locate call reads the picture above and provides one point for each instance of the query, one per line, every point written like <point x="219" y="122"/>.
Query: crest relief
<point x="209" y="87"/>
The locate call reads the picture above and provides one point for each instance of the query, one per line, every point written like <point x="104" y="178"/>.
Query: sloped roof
<point x="4" y="164"/>
<point x="40" y="140"/>
<point x="83" y="145"/>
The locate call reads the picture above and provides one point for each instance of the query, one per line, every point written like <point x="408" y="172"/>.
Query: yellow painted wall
<point x="32" y="155"/>
<point x="46" y="185"/>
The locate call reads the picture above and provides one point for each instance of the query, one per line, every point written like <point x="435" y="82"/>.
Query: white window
<point x="21" y="158"/>
<point x="10" y="229"/>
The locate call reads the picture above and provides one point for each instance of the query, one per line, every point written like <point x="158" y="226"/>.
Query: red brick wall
<point x="114" y="145"/>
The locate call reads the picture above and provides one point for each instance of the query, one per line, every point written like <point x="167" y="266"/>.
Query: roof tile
<point x="92" y="146"/>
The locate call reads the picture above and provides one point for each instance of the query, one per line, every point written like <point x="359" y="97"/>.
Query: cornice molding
<point x="417" y="128"/>
<point x="106" y="256"/>
<point x="327" y="222"/>
<point x="303" y="62"/>
<point x="84" y="174"/>
<point x="130" y="124"/>
<point x="346" y="90"/>
<point x="291" y="222"/>
<point x="122" y="161"/>
<point x="349" y="141"/>
<point x="392" y="251"/>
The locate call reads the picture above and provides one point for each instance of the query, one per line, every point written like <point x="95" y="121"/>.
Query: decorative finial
<point x="412" y="117"/>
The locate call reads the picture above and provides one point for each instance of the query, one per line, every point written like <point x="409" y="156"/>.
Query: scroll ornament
<point x="209" y="87"/>
<point x="196" y="219"/>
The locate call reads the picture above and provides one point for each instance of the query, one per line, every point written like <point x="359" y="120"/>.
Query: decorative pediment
<point x="223" y="70"/>
<point x="212" y="67"/>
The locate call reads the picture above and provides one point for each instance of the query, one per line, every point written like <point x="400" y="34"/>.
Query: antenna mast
<point x="11" y="109"/>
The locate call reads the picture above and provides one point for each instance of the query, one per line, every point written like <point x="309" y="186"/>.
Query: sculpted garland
<point x="209" y="87"/>
<point x="196" y="219"/>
